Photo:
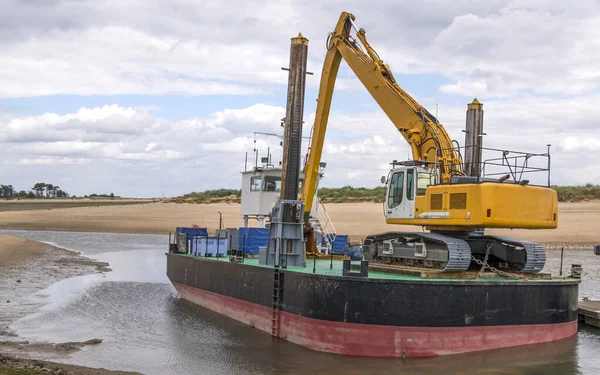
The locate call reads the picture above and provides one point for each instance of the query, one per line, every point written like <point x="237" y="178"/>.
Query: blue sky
<point x="161" y="99"/>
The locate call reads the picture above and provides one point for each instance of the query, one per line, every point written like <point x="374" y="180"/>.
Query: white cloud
<point x="52" y="161"/>
<point x="209" y="152"/>
<point x="573" y="144"/>
<point x="370" y="146"/>
<point x="494" y="48"/>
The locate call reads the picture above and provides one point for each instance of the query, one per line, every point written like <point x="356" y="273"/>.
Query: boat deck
<point x="589" y="312"/>
<point x="333" y="267"/>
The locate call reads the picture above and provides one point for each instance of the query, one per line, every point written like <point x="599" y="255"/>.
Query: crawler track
<point x="535" y="254"/>
<point x="459" y="252"/>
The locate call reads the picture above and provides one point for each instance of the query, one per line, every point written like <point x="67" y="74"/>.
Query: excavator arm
<point x="444" y="207"/>
<point x="427" y="138"/>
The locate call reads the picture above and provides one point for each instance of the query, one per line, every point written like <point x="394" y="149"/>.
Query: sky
<point x="153" y="98"/>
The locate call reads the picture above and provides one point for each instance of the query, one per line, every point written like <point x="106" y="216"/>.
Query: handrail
<point x="497" y="162"/>
<point x="327" y="229"/>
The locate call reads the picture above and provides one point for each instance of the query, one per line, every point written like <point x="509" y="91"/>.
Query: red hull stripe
<point x="378" y="341"/>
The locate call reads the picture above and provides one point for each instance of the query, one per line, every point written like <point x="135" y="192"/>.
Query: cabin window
<point x="396" y="189"/>
<point x="423" y="180"/>
<point x="255" y="183"/>
<point x="410" y="184"/>
<point x="272" y="183"/>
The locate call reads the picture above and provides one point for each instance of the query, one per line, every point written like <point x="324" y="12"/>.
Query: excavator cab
<point x="403" y="186"/>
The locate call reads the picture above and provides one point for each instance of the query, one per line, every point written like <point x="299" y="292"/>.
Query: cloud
<point x="574" y="144"/>
<point x="53" y="161"/>
<point x="493" y="48"/>
<point x="177" y="156"/>
<point x="532" y="63"/>
<point x="526" y="46"/>
<point x="370" y="146"/>
<point x="109" y="120"/>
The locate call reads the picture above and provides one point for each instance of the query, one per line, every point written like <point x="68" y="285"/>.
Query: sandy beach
<point x="578" y="222"/>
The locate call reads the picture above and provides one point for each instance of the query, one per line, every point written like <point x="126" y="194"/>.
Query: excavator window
<point x="410" y="184"/>
<point x="396" y="190"/>
<point x="423" y="180"/>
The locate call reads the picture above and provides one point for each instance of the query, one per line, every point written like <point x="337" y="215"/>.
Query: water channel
<point x="146" y="327"/>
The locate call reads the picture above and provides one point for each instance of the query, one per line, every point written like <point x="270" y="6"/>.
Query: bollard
<point x="561" y="258"/>
<point x="576" y="271"/>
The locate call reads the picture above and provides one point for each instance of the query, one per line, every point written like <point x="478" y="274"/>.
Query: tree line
<point x="39" y="190"/>
<point x="360" y="194"/>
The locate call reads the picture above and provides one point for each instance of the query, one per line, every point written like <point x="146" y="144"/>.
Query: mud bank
<point x="17" y="366"/>
<point x="26" y="267"/>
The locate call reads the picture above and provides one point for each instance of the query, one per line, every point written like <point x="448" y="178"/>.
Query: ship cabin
<point x="261" y="187"/>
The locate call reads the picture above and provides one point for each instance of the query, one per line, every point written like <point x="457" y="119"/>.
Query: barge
<point x="408" y="294"/>
<point x="325" y="307"/>
<point x="359" y="308"/>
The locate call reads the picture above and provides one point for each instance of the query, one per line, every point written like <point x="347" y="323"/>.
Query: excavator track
<point x="458" y="251"/>
<point x="535" y="255"/>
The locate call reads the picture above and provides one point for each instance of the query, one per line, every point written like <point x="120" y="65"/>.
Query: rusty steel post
<point x="292" y="137"/>
<point x="474" y="139"/>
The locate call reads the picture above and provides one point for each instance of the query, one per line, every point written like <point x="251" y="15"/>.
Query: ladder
<point x="277" y="288"/>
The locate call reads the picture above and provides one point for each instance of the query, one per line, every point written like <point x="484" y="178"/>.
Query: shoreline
<point x="27" y="267"/>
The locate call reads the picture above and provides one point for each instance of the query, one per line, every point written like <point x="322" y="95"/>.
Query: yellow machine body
<point x="484" y="205"/>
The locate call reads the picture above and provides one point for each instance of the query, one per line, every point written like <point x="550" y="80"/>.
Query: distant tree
<point x="61" y="194"/>
<point x="112" y="195"/>
<point x="39" y="188"/>
<point x="31" y="194"/>
<point x="7" y="191"/>
<point x="49" y="190"/>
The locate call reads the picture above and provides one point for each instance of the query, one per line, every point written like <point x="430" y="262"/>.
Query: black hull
<point x="529" y="311"/>
<point x="385" y="302"/>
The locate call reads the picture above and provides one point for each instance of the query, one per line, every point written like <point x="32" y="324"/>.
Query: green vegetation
<point x="377" y="194"/>
<point x="210" y="196"/>
<point x="587" y="192"/>
<point x="42" y="190"/>
<point x="39" y="190"/>
<point x="352" y="194"/>
<point x="111" y="196"/>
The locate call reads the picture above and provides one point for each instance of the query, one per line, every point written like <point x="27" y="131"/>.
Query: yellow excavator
<point x="431" y="190"/>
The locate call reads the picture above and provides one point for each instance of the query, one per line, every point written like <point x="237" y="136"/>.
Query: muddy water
<point x="147" y="328"/>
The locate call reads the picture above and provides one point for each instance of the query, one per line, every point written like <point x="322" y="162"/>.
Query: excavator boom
<point x="431" y="190"/>
<point x="427" y="138"/>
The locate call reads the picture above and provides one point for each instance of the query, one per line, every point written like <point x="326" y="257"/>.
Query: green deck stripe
<point x="322" y="268"/>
